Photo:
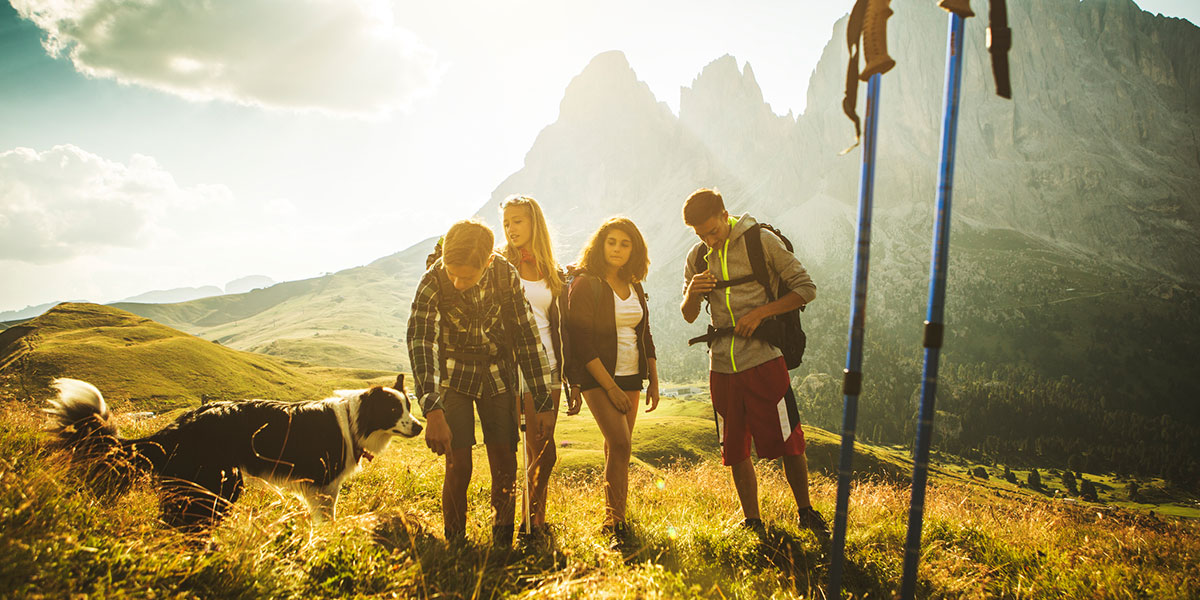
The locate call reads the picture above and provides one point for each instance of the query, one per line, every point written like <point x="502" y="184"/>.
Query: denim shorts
<point x="629" y="383"/>
<point x="497" y="418"/>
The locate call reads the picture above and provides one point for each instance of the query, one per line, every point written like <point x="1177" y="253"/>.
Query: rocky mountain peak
<point x="607" y="88"/>
<point x="724" y="109"/>
<point x="721" y="80"/>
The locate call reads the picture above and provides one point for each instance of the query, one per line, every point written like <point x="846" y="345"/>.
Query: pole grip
<point x="999" y="42"/>
<point x="875" y="39"/>
<point x="961" y="8"/>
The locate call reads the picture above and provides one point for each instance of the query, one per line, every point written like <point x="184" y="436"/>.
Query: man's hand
<point x="697" y="289"/>
<point x="437" y="432"/>
<point x="574" y="401"/>
<point x="701" y="284"/>
<point x="750" y="321"/>
<point x="618" y="398"/>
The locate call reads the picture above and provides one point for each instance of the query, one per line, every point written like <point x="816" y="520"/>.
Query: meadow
<point x="60" y="538"/>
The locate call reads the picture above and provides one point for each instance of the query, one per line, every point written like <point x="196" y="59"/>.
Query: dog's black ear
<point x="399" y="383"/>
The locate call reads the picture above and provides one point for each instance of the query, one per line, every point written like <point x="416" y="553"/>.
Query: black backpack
<point x="436" y="254"/>
<point x="782" y="331"/>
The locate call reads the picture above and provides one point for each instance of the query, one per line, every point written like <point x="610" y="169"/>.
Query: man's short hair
<point x="702" y="205"/>
<point x="467" y="244"/>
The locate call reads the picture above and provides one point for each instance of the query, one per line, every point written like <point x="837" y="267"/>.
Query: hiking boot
<point x="754" y="525"/>
<point x="455" y="536"/>
<point x="618" y="534"/>
<point x="812" y="520"/>
<point x="502" y="536"/>
<point x="538" y="534"/>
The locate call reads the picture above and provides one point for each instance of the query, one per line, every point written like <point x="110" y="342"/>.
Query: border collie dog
<point x="198" y="461"/>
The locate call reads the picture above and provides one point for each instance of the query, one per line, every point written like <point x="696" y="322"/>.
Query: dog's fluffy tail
<point x="79" y="416"/>
<point x="82" y="426"/>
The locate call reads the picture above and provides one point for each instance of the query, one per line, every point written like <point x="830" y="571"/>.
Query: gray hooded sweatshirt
<point x="734" y="354"/>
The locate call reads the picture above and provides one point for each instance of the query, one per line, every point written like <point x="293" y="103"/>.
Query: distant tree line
<point x="1014" y="415"/>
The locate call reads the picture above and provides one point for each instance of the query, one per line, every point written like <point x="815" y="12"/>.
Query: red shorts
<point x="756" y="403"/>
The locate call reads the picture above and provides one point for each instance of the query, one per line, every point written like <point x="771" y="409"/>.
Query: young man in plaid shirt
<point x="469" y="330"/>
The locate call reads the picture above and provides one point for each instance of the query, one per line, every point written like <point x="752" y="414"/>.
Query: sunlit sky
<point x="154" y="144"/>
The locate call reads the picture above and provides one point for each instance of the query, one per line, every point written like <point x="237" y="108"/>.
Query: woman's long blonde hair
<point x="539" y="245"/>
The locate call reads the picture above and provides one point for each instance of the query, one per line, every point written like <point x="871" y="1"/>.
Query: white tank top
<point x="539" y="297"/>
<point x="627" y="313"/>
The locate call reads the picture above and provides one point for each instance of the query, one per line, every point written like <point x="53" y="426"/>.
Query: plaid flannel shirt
<point x="493" y="318"/>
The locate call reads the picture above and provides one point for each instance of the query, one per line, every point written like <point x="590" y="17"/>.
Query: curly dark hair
<point x="591" y="258"/>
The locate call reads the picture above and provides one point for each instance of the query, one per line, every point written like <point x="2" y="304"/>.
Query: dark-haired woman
<point x="613" y="351"/>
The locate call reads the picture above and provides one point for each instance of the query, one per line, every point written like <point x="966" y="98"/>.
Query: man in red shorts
<point x="748" y="377"/>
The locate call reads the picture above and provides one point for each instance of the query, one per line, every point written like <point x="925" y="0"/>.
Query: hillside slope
<point x="139" y="364"/>
<point x="354" y="318"/>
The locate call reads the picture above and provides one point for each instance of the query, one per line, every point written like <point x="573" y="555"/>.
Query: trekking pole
<point x="934" y="328"/>
<point x="527" y="524"/>
<point x="874" y="15"/>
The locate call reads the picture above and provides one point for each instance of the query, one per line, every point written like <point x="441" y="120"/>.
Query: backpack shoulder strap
<point x="758" y="261"/>
<point x="586" y="280"/>
<point x="436" y="254"/>
<point x="697" y="258"/>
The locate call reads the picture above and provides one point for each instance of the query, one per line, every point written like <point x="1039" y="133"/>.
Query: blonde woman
<point x="528" y="247"/>
<point x="613" y="351"/>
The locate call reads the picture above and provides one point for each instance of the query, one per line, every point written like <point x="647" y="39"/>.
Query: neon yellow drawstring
<point x="728" y="290"/>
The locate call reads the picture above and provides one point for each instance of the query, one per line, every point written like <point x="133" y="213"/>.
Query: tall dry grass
<point x="59" y="537"/>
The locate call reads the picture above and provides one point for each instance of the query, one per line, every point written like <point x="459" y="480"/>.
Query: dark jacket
<point x="592" y="324"/>
<point x="559" y="336"/>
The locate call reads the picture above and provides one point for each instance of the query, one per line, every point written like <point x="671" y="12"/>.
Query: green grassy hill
<point x="142" y="365"/>
<point x="355" y="318"/>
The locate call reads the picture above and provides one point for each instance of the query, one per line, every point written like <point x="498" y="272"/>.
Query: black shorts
<point x="628" y="383"/>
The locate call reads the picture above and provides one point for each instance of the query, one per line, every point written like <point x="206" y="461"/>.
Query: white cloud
<point x="339" y="56"/>
<point x="74" y="225"/>
<point x="65" y="202"/>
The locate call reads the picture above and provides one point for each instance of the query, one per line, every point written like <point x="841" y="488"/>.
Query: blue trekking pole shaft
<point x="852" y="378"/>
<point x="937" y="295"/>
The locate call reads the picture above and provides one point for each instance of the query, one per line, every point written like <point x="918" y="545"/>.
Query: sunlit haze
<point x="150" y="149"/>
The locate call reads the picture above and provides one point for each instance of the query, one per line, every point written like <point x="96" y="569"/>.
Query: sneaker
<point x="812" y="520"/>
<point x="755" y="525"/>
